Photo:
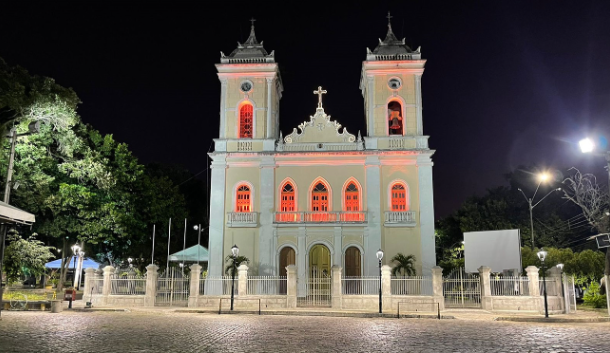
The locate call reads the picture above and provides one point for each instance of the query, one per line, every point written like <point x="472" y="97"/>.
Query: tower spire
<point x="390" y="36"/>
<point x="252" y="38"/>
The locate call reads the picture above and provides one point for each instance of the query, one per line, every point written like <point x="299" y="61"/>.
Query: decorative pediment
<point x="318" y="129"/>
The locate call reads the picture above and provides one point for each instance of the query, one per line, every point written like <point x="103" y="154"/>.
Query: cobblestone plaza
<point x="186" y="332"/>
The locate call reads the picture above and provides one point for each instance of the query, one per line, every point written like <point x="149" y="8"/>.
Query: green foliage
<point x="593" y="298"/>
<point x="586" y="266"/>
<point x="20" y="295"/>
<point x="404" y="265"/>
<point x="25" y="257"/>
<point x="233" y="264"/>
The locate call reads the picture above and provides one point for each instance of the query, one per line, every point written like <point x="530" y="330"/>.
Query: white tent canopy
<point x="12" y="214"/>
<point x="193" y="254"/>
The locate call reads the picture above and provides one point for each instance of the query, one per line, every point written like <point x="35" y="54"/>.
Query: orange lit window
<point x="352" y="202"/>
<point x="319" y="203"/>
<point x="287" y="204"/>
<point x="242" y="203"/>
<point x="245" y="121"/>
<point x="399" y="198"/>
<point x="395" y="120"/>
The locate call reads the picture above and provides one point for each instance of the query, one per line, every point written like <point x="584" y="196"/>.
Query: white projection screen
<point x="498" y="249"/>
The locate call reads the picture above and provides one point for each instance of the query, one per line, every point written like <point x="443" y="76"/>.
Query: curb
<point x="552" y="320"/>
<point x="98" y="309"/>
<point x="310" y="313"/>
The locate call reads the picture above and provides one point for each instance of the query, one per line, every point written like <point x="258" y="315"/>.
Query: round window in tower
<point x="394" y="83"/>
<point x="246" y="86"/>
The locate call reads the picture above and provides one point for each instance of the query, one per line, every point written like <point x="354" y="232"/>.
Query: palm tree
<point x="404" y="266"/>
<point x="234" y="264"/>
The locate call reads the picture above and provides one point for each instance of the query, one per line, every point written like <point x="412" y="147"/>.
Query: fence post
<point x="107" y="288"/>
<point x="437" y="286"/>
<point x="386" y="287"/>
<point x="242" y="281"/>
<point x="194" y="283"/>
<point x="486" y="302"/>
<point x="336" y="287"/>
<point x="152" y="275"/>
<point x="534" y="283"/>
<point x="291" y="286"/>
<point x="89" y="274"/>
<point x="555" y="274"/>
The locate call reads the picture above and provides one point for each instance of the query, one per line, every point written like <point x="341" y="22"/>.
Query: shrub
<point x="593" y="298"/>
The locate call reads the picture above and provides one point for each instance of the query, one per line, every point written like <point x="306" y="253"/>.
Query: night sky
<point x="507" y="83"/>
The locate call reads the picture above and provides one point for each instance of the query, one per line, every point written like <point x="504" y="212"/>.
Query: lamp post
<point x="542" y="178"/>
<point x="81" y="257"/>
<point x="542" y="255"/>
<point x="198" y="228"/>
<point x="588" y="146"/>
<point x="379" y="257"/>
<point x="234" y="252"/>
<point x="75" y="249"/>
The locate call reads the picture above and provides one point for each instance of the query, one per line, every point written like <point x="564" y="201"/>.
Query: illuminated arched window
<point x="399" y="198"/>
<point x="243" y="199"/>
<point x="319" y="198"/>
<point x="287" y="201"/>
<point x="245" y="121"/>
<point x="352" y="198"/>
<point x="395" y="119"/>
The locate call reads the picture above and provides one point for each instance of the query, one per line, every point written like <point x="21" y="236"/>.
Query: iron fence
<point x="509" y="286"/>
<point x="217" y="285"/>
<point x="411" y="285"/>
<point x="267" y="285"/>
<point x="127" y="285"/>
<point x="360" y="285"/>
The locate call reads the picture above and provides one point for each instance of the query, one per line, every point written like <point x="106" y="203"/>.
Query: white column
<point x="217" y="218"/>
<point x="338" y="256"/>
<point x="486" y="300"/>
<point x="418" y="105"/>
<point x="270" y="126"/>
<point x="107" y="288"/>
<point x="370" y="103"/>
<point x="373" y="201"/>
<point x="266" y="253"/>
<point x="302" y="261"/>
<point x="437" y="286"/>
<point x="336" y="293"/>
<point x="386" y="287"/>
<point x="291" y="286"/>
<point x="194" y="285"/>
<point x="223" y="108"/>
<point x="426" y="214"/>
<point x="152" y="274"/>
<point x="242" y="280"/>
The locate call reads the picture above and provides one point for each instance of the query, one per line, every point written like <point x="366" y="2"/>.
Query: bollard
<point x="56" y="306"/>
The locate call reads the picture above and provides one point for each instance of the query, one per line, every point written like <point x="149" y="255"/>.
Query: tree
<point x="233" y="264"/>
<point x="404" y="265"/>
<point x="25" y="257"/>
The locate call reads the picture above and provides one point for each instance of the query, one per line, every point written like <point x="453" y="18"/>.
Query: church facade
<point x="321" y="196"/>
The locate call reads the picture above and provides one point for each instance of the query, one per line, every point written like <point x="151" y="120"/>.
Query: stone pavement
<point x="164" y="330"/>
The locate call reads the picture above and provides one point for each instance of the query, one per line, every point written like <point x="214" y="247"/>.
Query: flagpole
<point x="184" y="245"/>
<point x="152" y="258"/>
<point x="169" y="237"/>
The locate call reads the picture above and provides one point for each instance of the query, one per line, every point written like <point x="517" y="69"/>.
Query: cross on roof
<point x="252" y="21"/>
<point x="320" y="92"/>
<point x="389" y="17"/>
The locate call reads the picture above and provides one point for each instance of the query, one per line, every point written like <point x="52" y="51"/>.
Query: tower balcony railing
<point x="321" y="217"/>
<point x="400" y="219"/>
<point x="242" y="219"/>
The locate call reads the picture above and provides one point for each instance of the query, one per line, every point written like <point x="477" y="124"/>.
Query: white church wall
<point x="402" y="240"/>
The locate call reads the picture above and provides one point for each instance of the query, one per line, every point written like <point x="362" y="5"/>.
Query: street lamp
<point x="234" y="252"/>
<point x="588" y="146"/>
<point x="379" y="257"/>
<point x="542" y="178"/>
<point x="75" y="249"/>
<point x="81" y="255"/>
<point x="199" y="228"/>
<point x="542" y="255"/>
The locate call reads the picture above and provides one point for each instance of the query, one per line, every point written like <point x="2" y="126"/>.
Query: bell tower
<point x="251" y="88"/>
<point x="391" y="86"/>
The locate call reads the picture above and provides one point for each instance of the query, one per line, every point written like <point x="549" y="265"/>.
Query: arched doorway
<point x="353" y="271"/>
<point x="319" y="261"/>
<point x="287" y="257"/>
<point x="316" y="290"/>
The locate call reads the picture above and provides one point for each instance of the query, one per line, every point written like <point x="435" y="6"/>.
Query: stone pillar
<point x="242" y="281"/>
<point x="386" y="287"/>
<point x="89" y="275"/>
<point x="532" y="276"/>
<point x="217" y="219"/>
<point x="437" y="286"/>
<point x="336" y="294"/>
<point x="301" y="265"/>
<point x="291" y="286"/>
<point x="266" y="252"/>
<point x="486" y="299"/>
<point x="426" y="213"/>
<point x="373" y="230"/>
<point x="269" y="125"/>
<point x="107" y="289"/>
<point x="337" y="259"/>
<point x="194" y="283"/>
<point x="152" y="274"/>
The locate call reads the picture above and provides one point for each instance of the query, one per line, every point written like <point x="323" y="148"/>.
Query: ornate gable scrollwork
<point x="319" y="128"/>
